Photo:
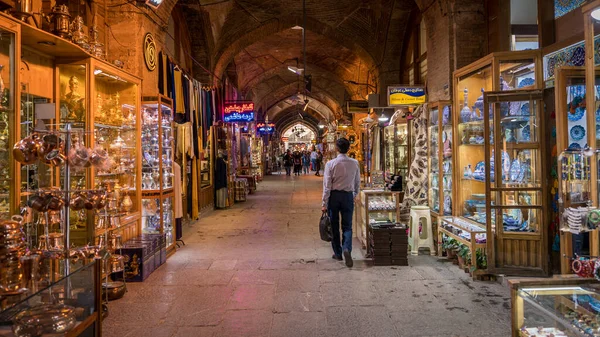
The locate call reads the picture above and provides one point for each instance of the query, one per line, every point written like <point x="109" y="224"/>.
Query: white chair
<point x="425" y="239"/>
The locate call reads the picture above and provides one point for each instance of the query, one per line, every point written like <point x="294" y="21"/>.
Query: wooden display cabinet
<point x="366" y="208"/>
<point x="473" y="144"/>
<point x="157" y="168"/>
<point x="45" y="62"/>
<point x="440" y="158"/>
<point x="571" y="113"/>
<point x="395" y="155"/>
<point x="102" y="103"/>
<point x="563" y="306"/>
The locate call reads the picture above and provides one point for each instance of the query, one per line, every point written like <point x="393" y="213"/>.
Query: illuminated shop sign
<point x="239" y="112"/>
<point x="266" y="129"/>
<point x="406" y="95"/>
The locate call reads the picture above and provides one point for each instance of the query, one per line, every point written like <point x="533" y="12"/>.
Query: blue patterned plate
<point x="526" y="132"/>
<point x="597" y="132"/>
<point x="525" y="109"/>
<point x="577" y="132"/>
<point x="515" y="168"/>
<point x="526" y="82"/>
<point x="574" y="146"/>
<point x="574" y="117"/>
<point x="598" y="115"/>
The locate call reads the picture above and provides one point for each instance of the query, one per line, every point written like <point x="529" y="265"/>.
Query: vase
<point x="465" y="113"/>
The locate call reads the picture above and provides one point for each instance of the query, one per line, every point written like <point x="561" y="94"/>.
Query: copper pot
<point x="80" y="157"/>
<point x="78" y="202"/>
<point x="115" y="242"/>
<point x="99" y="157"/>
<point x="54" y="203"/>
<point x="55" y="157"/>
<point x="49" y="143"/>
<point x="25" y="151"/>
<point x="38" y="203"/>
<point x="100" y="200"/>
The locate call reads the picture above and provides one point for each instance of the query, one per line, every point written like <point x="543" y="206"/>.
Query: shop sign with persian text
<point x="265" y="128"/>
<point x="238" y="112"/>
<point x="406" y="95"/>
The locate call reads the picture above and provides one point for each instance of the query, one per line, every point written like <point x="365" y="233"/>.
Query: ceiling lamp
<point x="596" y="14"/>
<point x="296" y="27"/>
<point x="383" y="118"/>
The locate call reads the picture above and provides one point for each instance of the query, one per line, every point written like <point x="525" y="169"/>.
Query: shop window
<point x="423" y="71"/>
<point x="422" y="38"/>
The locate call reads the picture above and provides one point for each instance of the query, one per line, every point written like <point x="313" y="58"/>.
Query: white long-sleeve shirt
<point x="341" y="174"/>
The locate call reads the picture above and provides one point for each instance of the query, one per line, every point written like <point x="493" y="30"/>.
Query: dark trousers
<point x="341" y="202"/>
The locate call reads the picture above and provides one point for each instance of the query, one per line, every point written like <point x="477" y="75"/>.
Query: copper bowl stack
<point x="12" y="248"/>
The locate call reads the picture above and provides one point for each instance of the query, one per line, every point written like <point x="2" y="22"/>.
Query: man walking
<point x="313" y="158"/>
<point x="341" y="184"/>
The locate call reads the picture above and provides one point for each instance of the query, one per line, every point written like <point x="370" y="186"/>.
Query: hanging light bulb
<point x="383" y="118"/>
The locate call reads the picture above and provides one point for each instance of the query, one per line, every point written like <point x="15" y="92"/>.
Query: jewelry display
<point x="157" y="168"/>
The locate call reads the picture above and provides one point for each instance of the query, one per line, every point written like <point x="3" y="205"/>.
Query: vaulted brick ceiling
<point x="347" y="40"/>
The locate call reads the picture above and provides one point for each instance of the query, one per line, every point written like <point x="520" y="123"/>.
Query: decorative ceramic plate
<point x="515" y="168"/>
<point x="446" y="115"/>
<point x="597" y="133"/>
<point x="574" y="146"/>
<point x="446" y="167"/>
<point x="574" y="117"/>
<point x="526" y="82"/>
<point x="525" y="109"/>
<point x="577" y="132"/>
<point x="526" y="132"/>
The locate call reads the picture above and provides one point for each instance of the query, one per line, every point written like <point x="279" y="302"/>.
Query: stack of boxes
<point x="143" y="255"/>
<point x="388" y="245"/>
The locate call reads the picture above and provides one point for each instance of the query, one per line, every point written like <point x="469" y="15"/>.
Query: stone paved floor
<point x="260" y="269"/>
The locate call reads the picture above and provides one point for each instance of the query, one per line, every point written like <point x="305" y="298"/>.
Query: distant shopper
<point x="319" y="162"/>
<point x="288" y="161"/>
<point x="341" y="184"/>
<point x="297" y="163"/>
<point x="313" y="158"/>
<point x="305" y="162"/>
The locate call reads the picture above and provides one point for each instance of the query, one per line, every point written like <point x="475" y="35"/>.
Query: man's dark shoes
<point x="336" y="257"/>
<point x="348" y="258"/>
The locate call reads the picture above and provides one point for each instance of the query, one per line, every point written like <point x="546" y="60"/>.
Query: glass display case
<point x="515" y="196"/>
<point x="376" y="207"/>
<point x="101" y="104"/>
<point x="574" y="133"/>
<point x="555" y="307"/>
<point x="256" y="160"/>
<point x="66" y="303"/>
<point x="8" y="107"/>
<point x="440" y="158"/>
<point x="476" y="165"/>
<point x="157" y="167"/>
<point x="206" y="163"/>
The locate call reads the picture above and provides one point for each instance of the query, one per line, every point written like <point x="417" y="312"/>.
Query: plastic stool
<point x="426" y="238"/>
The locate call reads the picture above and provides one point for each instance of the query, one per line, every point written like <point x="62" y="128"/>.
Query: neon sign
<point x="265" y="128"/>
<point x="238" y="112"/>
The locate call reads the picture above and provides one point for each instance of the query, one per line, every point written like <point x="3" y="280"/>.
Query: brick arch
<point x="315" y="105"/>
<point x="291" y="89"/>
<point x="229" y="47"/>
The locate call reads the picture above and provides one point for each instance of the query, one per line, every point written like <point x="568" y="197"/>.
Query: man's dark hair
<point x="343" y="145"/>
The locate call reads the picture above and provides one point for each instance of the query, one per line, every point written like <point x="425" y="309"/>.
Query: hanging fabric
<point x="180" y="107"/>
<point x="417" y="185"/>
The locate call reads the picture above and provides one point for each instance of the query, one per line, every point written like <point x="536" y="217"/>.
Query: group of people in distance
<point x="303" y="162"/>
